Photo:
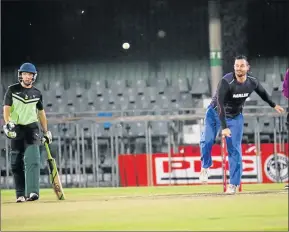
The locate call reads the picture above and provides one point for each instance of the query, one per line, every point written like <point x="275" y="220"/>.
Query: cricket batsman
<point x="285" y="91"/>
<point x="225" y="111"/>
<point x="22" y="110"/>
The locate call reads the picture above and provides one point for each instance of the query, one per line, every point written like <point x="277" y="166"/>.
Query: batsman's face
<point x="27" y="78"/>
<point x="241" y="67"/>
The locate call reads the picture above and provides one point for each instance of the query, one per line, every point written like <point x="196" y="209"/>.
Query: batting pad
<point x="32" y="169"/>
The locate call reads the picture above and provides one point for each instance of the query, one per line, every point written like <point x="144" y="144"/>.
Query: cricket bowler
<point x="225" y="111"/>
<point x="22" y="111"/>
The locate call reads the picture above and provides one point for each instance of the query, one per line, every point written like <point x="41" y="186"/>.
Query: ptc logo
<point x="276" y="167"/>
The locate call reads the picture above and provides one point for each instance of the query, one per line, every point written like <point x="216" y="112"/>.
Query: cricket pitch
<point x="261" y="207"/>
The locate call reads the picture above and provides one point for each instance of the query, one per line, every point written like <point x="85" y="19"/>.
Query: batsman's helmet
<point x="27" y="67"/>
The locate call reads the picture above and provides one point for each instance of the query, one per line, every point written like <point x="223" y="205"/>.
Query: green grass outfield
<point x="259" y="207"/>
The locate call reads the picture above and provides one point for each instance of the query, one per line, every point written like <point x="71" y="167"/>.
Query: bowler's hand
<point x="47" y="137"/>
<point x="9" y="130"/>
<point x="279" y="109"/>
<point x="226" y="132"/>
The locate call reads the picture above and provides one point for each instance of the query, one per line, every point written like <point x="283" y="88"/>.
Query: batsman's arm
<point x="43" y="120"/>
<point x="222" y="91"/>
<point x="6" y="113"/>
<point x="7" y="105"/>
<point x="42" y="115"/>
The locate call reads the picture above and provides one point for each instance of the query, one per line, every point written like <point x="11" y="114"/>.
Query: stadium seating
<point x="134" y="88"/>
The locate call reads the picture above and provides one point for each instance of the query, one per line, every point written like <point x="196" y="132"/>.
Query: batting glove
<point x="47" y="137"/>
<point x="9" y="130"/>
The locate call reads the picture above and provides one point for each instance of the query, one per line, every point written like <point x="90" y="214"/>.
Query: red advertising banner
<point x="184" y="168"/>
<point x="133" y="170"/>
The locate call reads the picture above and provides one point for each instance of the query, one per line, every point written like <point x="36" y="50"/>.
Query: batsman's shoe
<point x="232" y="189"/>
<point x="20" y="199"/>
<point x="287" y="186"/>
<point x="33" y="197"/>
<point x="204" y="175"/>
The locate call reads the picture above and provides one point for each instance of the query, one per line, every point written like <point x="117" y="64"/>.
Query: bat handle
<point x="47" y="150"/>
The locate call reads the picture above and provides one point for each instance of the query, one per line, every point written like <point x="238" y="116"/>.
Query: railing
<point x="80" y="156"/>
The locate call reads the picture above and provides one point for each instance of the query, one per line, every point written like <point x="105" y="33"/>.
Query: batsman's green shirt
<point x="24" y="102"/>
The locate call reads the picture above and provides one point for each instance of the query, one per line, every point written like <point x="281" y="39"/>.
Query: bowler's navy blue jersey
<point x="231" y="95"/>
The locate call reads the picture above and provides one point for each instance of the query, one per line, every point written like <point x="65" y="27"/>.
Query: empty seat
<point x="67" y="130"/>
<point x="159" y="128"/>
<point x="85" y="129"/>
<point x="118" y="86"/>
<point x="273" y="80"/>
<point x="175" y="106"/>
<point x="181" y="83"/>
<point x="143" y="102"/>
<point x="172" y="94"/>
<point x="249" y="126"/>
<point x="131" y="95"/>
<point x="151" y="93"/>
<point x="198" y="106"/>
<point x="139" y="86"/>
<point x="101" y="103"/>
<point x="276" y="96"/>
<point x="48" y="100"/>
<point x="90" y="97"/>
<point x="98" y="87"/>
<point x="200" y="86"/>
<point x="136" y="129"/>
<point x="266" y="125"/>
<point x="112" y="107"/>
<point x="132" y="109"/>
<point x="160" y="84"/>
<point x="185" y="100"/>
<point x="77" y="89"/>
<point x="122" y="102"/>
<point x="56" y="88"/>
<point x="61" y="106"/>
<point x="110" y="95"/>
<point x="54" y="105"/>
<point x="156" y="109"/>
<point x="81" y="104"/>
<point x="284" y="101"/>
<point x="163" y="102"/>
<point x="101" y="131"/>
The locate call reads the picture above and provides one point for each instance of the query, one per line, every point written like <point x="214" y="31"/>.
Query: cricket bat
<point x="54" y="176"/>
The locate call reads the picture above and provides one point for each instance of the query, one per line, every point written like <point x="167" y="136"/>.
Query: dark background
<point x="56" y="31"/>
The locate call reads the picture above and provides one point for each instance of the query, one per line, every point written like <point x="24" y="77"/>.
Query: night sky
<point x="62" y="31"/>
